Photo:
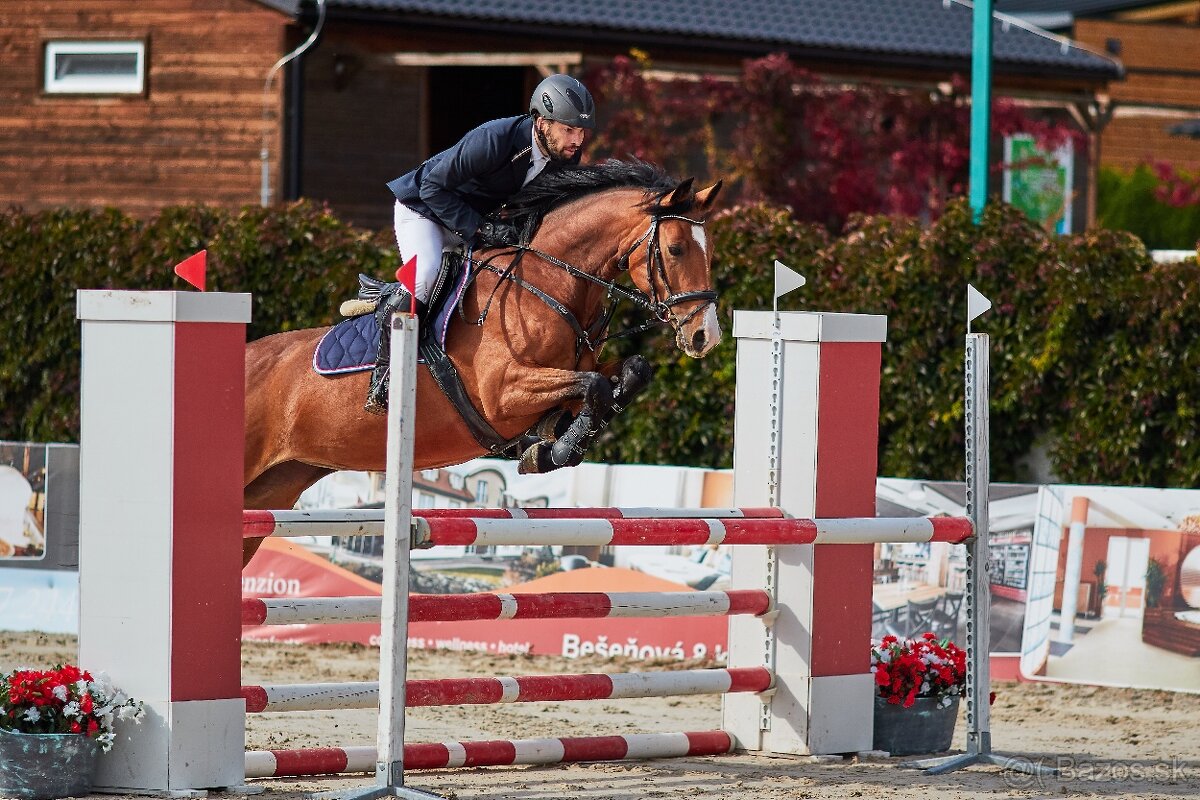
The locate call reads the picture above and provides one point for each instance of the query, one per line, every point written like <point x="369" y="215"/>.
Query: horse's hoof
<point x="553" y="425"/>
<point x="530" y="463"/>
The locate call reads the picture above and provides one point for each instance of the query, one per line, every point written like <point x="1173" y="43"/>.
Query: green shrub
<point x="299" y="262"/>
<point x="1127" y="201"/>
<point x="1095" y="350"/>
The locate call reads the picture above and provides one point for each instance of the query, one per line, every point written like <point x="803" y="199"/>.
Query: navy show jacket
<point x="459" y="186"/>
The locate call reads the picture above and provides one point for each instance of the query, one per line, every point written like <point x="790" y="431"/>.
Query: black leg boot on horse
<point x="563" y="439"/>
<point x="392" y="299"/>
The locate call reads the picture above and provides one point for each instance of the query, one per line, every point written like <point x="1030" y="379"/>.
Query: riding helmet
<point x="564" y="99"/>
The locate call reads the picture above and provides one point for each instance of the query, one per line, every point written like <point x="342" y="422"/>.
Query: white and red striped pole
<point x="694" y="529"/>
<point x="633" y="532"/>
<point x="369" y="521"/>
<point x="549" y="605"/>
<point x="805" y="440"/>
<point x="519" y="689"/>
<point x="503" y="752"/>
<point x="160" y="529"/>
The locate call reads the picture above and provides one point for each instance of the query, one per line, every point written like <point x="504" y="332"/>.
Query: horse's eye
<point x="675" y="249"/>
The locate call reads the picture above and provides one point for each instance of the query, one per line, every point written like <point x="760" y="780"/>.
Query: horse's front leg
<point x="562" y="440"/>
<point x="629" y="379"/>
<point x="552" y="387"/>
<point x="570" y="445"/>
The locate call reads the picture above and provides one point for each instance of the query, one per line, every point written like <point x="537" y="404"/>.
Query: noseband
<point x="593" y="337"/>
<point x="661" y="309"/>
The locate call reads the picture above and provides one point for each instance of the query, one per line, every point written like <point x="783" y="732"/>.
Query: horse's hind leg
<point x="277" y="488"/>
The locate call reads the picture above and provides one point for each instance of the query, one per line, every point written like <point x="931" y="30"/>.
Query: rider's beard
<point x="555" y="156"/>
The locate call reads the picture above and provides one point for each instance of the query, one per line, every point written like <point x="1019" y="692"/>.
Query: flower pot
<point x="920" y="728"/>
<point x="42" y="766"/>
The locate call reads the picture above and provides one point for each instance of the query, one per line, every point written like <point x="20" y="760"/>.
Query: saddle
<point x="352" y="344"/>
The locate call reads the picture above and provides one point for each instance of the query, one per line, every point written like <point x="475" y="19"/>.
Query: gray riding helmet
<point x="564" y="99"/>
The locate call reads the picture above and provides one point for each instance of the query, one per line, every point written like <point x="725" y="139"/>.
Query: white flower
<point x="32" y="714"/>
<point x="81" y="687"/>
<point x="60" y="692"/>
<point x="71" y="709"/>
<point x="134" y="712"/>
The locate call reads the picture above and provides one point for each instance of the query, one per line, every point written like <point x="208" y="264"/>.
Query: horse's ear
<point x="706" y="198"/>
<point x="681" y="194"/>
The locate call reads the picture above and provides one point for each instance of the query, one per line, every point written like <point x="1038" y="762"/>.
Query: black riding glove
<point x="497" y="234"/>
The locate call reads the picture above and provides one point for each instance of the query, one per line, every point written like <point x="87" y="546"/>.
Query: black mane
<point x="557" y="187"/>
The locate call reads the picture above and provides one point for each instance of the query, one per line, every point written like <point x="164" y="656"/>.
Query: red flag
<point x="193" y="268"/>
<point x="407" y="275"/>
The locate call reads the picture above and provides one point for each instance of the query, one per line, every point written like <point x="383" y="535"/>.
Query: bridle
<point x="593" y="337"/>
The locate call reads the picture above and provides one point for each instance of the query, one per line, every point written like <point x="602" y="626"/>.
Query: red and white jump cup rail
<point x="369" y="521"/>
<point x="503" y="752"/>
<point x="520" y="689"/>
<point x="484" y="606"/>
<point x="698" y="528"/>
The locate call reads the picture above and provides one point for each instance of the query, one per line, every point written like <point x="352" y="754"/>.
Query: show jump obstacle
<point x="161" y="524"/>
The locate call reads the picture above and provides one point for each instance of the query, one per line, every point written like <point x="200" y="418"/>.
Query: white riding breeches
<point x="422" y="237"/>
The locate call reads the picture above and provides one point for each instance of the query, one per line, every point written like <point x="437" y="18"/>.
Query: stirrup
<point x="377" y="392"/>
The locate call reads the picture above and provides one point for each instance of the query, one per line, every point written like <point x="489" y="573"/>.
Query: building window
<point x="95" y="67"/>
<point x="424" y="500"/>
<point x="481" y="488"/>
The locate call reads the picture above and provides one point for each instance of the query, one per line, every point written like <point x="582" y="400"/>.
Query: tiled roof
<point x="1061" y="14"/>
<point x="907" y="31"/>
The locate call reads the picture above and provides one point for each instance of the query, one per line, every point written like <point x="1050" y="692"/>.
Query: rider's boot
<point x="377" y="393"/>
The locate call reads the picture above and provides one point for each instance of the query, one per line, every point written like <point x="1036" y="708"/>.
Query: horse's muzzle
<point x="701" y="335"/>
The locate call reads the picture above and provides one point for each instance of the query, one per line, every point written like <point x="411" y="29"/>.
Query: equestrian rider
<point x="442" y="203"/>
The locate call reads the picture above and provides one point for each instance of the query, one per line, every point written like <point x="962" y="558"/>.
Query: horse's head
<point x="674" y="268"/>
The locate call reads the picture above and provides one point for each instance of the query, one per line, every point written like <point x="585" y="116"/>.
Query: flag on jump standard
<point x="193" y="269"/>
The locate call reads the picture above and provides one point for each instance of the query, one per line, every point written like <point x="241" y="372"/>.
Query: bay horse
<point x="517" y="356"/>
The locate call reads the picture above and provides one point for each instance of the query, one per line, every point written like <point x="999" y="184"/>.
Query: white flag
<point x="976" y="302"/>
<point x="786" y="279"/>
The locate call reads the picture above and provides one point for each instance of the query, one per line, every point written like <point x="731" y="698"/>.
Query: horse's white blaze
<point x="712" y="328"/>
<point x="700" y="237"/>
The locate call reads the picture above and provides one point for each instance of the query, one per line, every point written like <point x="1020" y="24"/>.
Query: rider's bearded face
<point x="561" y="142"/>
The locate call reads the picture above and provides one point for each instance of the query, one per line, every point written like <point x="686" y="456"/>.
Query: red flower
<point x="925" y="667"/>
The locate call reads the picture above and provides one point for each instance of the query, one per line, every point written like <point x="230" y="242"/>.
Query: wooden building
<point x="160" y="102"/>
<point x="1158" y="42"/>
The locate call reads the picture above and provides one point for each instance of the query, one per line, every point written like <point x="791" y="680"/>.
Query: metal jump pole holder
<point x="397" y="526"/>
<point x="978" y="596"/>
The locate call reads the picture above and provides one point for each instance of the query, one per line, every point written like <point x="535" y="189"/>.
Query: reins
<point x="592" y="338"/>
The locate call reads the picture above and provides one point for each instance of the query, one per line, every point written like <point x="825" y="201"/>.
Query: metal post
<point x="978" y="595"/>
<point x="393" y="648"/>
<point x="981" y="104"/>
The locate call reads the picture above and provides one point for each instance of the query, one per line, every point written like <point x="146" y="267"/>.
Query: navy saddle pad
<point x="349" y="346"/>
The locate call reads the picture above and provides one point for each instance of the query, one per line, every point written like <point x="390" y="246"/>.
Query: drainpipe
<point x="265" y="153"/>
<point x="294" y="150"/>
